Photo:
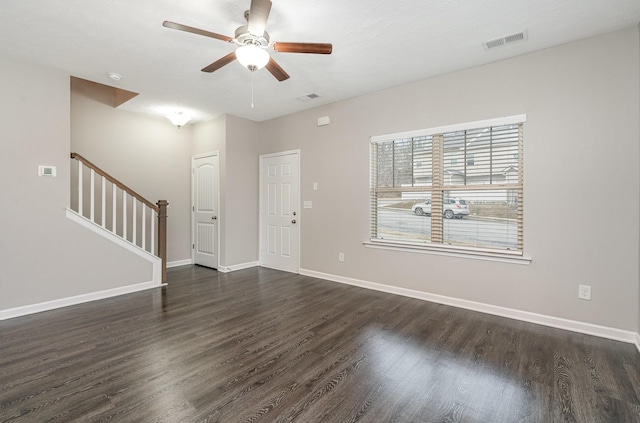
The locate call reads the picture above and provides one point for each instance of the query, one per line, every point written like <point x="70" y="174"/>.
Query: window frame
<point x="440" y="247"/>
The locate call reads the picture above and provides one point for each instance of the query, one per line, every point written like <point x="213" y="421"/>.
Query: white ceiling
<point x="377" y="44"/>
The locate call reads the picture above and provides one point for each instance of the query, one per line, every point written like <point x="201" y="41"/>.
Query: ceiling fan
<point x="253" y="42"/>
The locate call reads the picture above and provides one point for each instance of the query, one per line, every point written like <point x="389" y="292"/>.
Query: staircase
<point x="121" y="212"/>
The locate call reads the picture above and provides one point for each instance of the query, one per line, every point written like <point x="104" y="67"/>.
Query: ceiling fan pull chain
<point x="252" y="90"/>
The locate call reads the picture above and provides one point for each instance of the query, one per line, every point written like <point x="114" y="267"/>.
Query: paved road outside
<point x="404" y="224"/>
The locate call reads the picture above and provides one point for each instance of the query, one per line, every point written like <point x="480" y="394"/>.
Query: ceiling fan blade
<point x="258" y="15"/>
<point x="276" y="70"/>
<point x="220" y="62"/>
<point x="314" y="48"/>
<point x="180" y="27"/>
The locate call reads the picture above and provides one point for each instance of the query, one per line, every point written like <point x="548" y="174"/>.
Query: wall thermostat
<point x="46" y="170"/>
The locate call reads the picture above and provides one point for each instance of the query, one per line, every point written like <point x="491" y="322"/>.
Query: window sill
<point x="450" y="251"/>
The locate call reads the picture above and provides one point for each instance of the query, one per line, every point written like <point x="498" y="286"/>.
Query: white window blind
<point x="460" y="187"/>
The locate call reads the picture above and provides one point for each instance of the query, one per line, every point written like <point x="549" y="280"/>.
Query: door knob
<point x="293" y="221"/>
<point x="294" y="213"/>
<point x="214" y="218"/>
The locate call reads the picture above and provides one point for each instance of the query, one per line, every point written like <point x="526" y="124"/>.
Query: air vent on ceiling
<point x="308" y="97"/>
<point x="508" y="39"/>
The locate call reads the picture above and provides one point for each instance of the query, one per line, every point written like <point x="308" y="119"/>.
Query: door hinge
<point x="193" y="246"/>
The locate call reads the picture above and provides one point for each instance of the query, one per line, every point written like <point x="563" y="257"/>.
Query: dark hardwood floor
<point x="259" y="345"/>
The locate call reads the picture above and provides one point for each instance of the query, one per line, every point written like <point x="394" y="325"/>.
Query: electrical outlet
<point x="584" y="292"/>
<point x="340" y="256"/>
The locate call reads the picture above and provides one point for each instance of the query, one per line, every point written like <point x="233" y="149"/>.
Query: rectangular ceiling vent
<point x="308" y="97"/>
<point x="503" y="41"/>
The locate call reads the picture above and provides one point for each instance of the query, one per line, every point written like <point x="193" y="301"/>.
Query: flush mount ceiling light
<point x="179" y="119"/>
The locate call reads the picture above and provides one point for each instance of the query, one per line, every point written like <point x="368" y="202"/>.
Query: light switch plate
<point x="307" y="205"/>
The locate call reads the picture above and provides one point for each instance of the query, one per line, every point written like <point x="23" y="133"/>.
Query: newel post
<point x="162" y="236"/>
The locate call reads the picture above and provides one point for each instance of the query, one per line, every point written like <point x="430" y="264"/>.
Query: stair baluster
<point x="133" y="218"/>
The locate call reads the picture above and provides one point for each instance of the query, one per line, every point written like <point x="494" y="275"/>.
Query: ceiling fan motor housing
<point x="244" y="37"/>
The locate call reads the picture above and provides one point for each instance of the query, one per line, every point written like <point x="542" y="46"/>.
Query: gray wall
<point x="582" y="139"/>
<point x="582" y="162"/>
<point x="148" y="154"/>
<point x="242" y="191"/>
<point x="43" y="255"/>
<point x="236" y="140"/>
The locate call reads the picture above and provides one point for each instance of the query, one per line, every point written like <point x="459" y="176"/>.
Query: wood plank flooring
<point x="259" y="345"/>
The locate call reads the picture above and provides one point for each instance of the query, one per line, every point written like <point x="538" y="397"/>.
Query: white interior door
<point x="279" y="213"/>
<point x="205" y="210"/>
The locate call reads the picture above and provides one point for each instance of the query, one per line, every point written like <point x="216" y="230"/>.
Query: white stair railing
<point x="124" y="212"/>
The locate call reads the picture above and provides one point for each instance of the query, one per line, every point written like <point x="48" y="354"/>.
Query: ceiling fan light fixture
<point x="252" y="57"/>
<point x="179" y="119"/>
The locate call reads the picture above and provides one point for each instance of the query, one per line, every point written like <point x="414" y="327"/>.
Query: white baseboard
<point x="234" y="267"/>
<point x="156" y="274"/>
<point x="78" y="299"/>
<point x="179" y="263"/>
<point x="555" y="322"/>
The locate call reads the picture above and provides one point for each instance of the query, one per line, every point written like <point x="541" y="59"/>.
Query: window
<point x="471" y="159"/>
<point x="452" y="188"/>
